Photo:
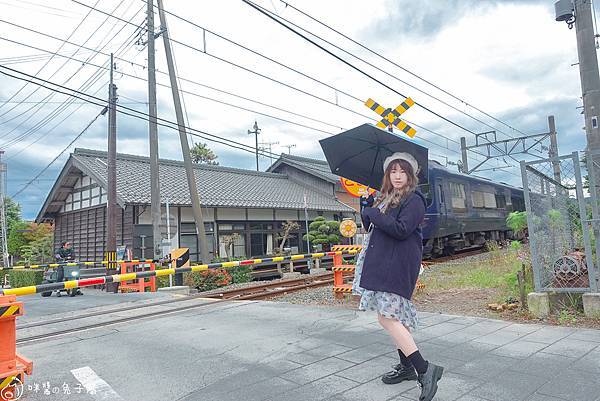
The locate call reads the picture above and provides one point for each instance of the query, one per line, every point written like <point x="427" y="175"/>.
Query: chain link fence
<point x="560" y="230"/>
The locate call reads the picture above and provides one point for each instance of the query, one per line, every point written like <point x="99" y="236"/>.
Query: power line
<point x="402" y="68"/>
<point x="49" y="96"/>
<point x="55" y="53"/>
<point x="140" y="115"/>
<point x="102" y="112"/>
<point x="268" y="14"/>
<point x="57" y="111"/>
<point x="272" y="79"/>
<point x="195" y="94"/>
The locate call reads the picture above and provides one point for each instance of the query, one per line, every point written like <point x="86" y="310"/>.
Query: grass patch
<point x="497" y="269"/>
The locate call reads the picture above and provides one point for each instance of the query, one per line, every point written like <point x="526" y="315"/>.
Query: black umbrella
<point x="358" y="154"/>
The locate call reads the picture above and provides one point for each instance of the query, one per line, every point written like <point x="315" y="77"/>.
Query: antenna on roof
<point x="290" y="148"/>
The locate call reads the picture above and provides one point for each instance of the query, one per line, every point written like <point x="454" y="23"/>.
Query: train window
<point x="482" y="200"/>
<point x="518" y="204"/>
<point x="459" y="200"/>
<point x="426" y="191"/>
<point x="500" y="201"/>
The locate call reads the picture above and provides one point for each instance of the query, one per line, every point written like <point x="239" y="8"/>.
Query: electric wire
<point x="403" y="68"/>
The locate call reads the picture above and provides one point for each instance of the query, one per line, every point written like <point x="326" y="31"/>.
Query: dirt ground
<point x="474" y="301"/>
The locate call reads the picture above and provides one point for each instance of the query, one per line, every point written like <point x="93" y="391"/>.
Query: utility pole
<point x="268" y="146"/>
<point x="255" y="132"/>
<point x="3" y="224"/>
<point x="153" y="136"/>
<point x="111" y="207"/>
<point x="553" y="151"/>
<point x="465" y="161"/>
<point x="290" y="148"/>
<point x="185" y="147"/>
<point x="579" y="13"/>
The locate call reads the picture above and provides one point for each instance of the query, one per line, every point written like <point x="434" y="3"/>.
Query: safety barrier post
<point x="13" y="367"/>
<point x="137" y="284"/>
<point x="339" y="268"/>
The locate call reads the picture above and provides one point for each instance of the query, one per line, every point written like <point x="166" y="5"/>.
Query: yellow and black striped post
<point x="180" y="257"/>
<point x="111" y="268"/>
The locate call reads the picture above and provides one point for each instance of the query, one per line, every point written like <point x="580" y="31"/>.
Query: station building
<point x="250" y="203"/>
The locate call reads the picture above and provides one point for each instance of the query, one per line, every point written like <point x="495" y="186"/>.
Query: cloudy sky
<point x="509" y="59"/>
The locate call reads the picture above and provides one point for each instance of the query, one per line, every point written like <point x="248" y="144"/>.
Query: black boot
<point x="428" y="381"/>
<point x="399" y="374"/>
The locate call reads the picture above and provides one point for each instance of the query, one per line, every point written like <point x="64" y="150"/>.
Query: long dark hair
<point x="390" y="196"/>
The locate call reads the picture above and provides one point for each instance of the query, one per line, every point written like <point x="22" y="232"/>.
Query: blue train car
<point x="465" y="211"/>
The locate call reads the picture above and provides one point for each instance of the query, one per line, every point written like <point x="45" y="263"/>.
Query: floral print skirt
<point x="387" y="304"/>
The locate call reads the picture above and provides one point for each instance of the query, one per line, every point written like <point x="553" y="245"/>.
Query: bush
<point x="208" y="279"/>
<point x="25" y="277"/>
<point x="241" y="274"/>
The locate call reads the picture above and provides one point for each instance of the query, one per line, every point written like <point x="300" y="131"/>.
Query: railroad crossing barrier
<point x="138" y="284"/>
<point x="87" y="263"/>
<point x="339" y="268"/>
<point x="117" y="278"/>
<point x="13" y="366"/>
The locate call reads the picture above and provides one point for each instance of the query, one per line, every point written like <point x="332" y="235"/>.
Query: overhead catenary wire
<point x="361" y="45"/>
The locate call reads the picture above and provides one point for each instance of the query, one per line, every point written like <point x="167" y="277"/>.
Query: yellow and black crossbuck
<point x="392" y="117"/>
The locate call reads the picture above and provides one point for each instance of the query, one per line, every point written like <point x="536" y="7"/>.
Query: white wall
<point x="260" y="214"/>
<point x="231" y="214"/>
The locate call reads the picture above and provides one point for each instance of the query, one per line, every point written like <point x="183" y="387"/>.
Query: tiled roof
<point x="218" y="186"/>
<point x="318" y="167"/>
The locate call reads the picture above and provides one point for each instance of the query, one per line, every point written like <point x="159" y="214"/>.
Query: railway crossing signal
<point x="392" y="117"/>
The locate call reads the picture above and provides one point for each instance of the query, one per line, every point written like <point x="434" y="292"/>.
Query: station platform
<point x="260" y="350"/>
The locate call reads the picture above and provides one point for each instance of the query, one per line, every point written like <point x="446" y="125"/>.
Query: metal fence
<point x="559" y="225"/>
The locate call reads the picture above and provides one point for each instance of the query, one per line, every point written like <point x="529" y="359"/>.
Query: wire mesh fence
<point x="560" y="231"/>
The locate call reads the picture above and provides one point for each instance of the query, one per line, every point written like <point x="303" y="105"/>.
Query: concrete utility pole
<point x="579" y="13"/>
<point x="3" y="223"/>
<point x="111" y="207"/>
<point x="185" y="147"/>
<point x="153" y="135"/>
<point x="255" y="132"/>
<point x="553" y="152"/>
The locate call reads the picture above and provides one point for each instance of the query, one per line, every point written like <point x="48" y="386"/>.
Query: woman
<point x="388" y="266"/>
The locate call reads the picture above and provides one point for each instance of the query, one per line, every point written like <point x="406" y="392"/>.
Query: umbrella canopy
<point x="358" y="154"/>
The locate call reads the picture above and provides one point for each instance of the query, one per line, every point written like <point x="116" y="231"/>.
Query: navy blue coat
<point x="393" y="259"/>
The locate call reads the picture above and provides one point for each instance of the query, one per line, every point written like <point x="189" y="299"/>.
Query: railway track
<point x="256" y="292"/>
<point x="261" y="291"/>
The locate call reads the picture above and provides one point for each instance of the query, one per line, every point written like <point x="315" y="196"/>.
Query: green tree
<point x="323" y="232"/>
<point x="13" y="212"/>
<point x="201" y="153"/>
<point x="16" y="237"/>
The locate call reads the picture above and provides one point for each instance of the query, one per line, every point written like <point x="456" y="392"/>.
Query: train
<point x="465" y="211"/>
